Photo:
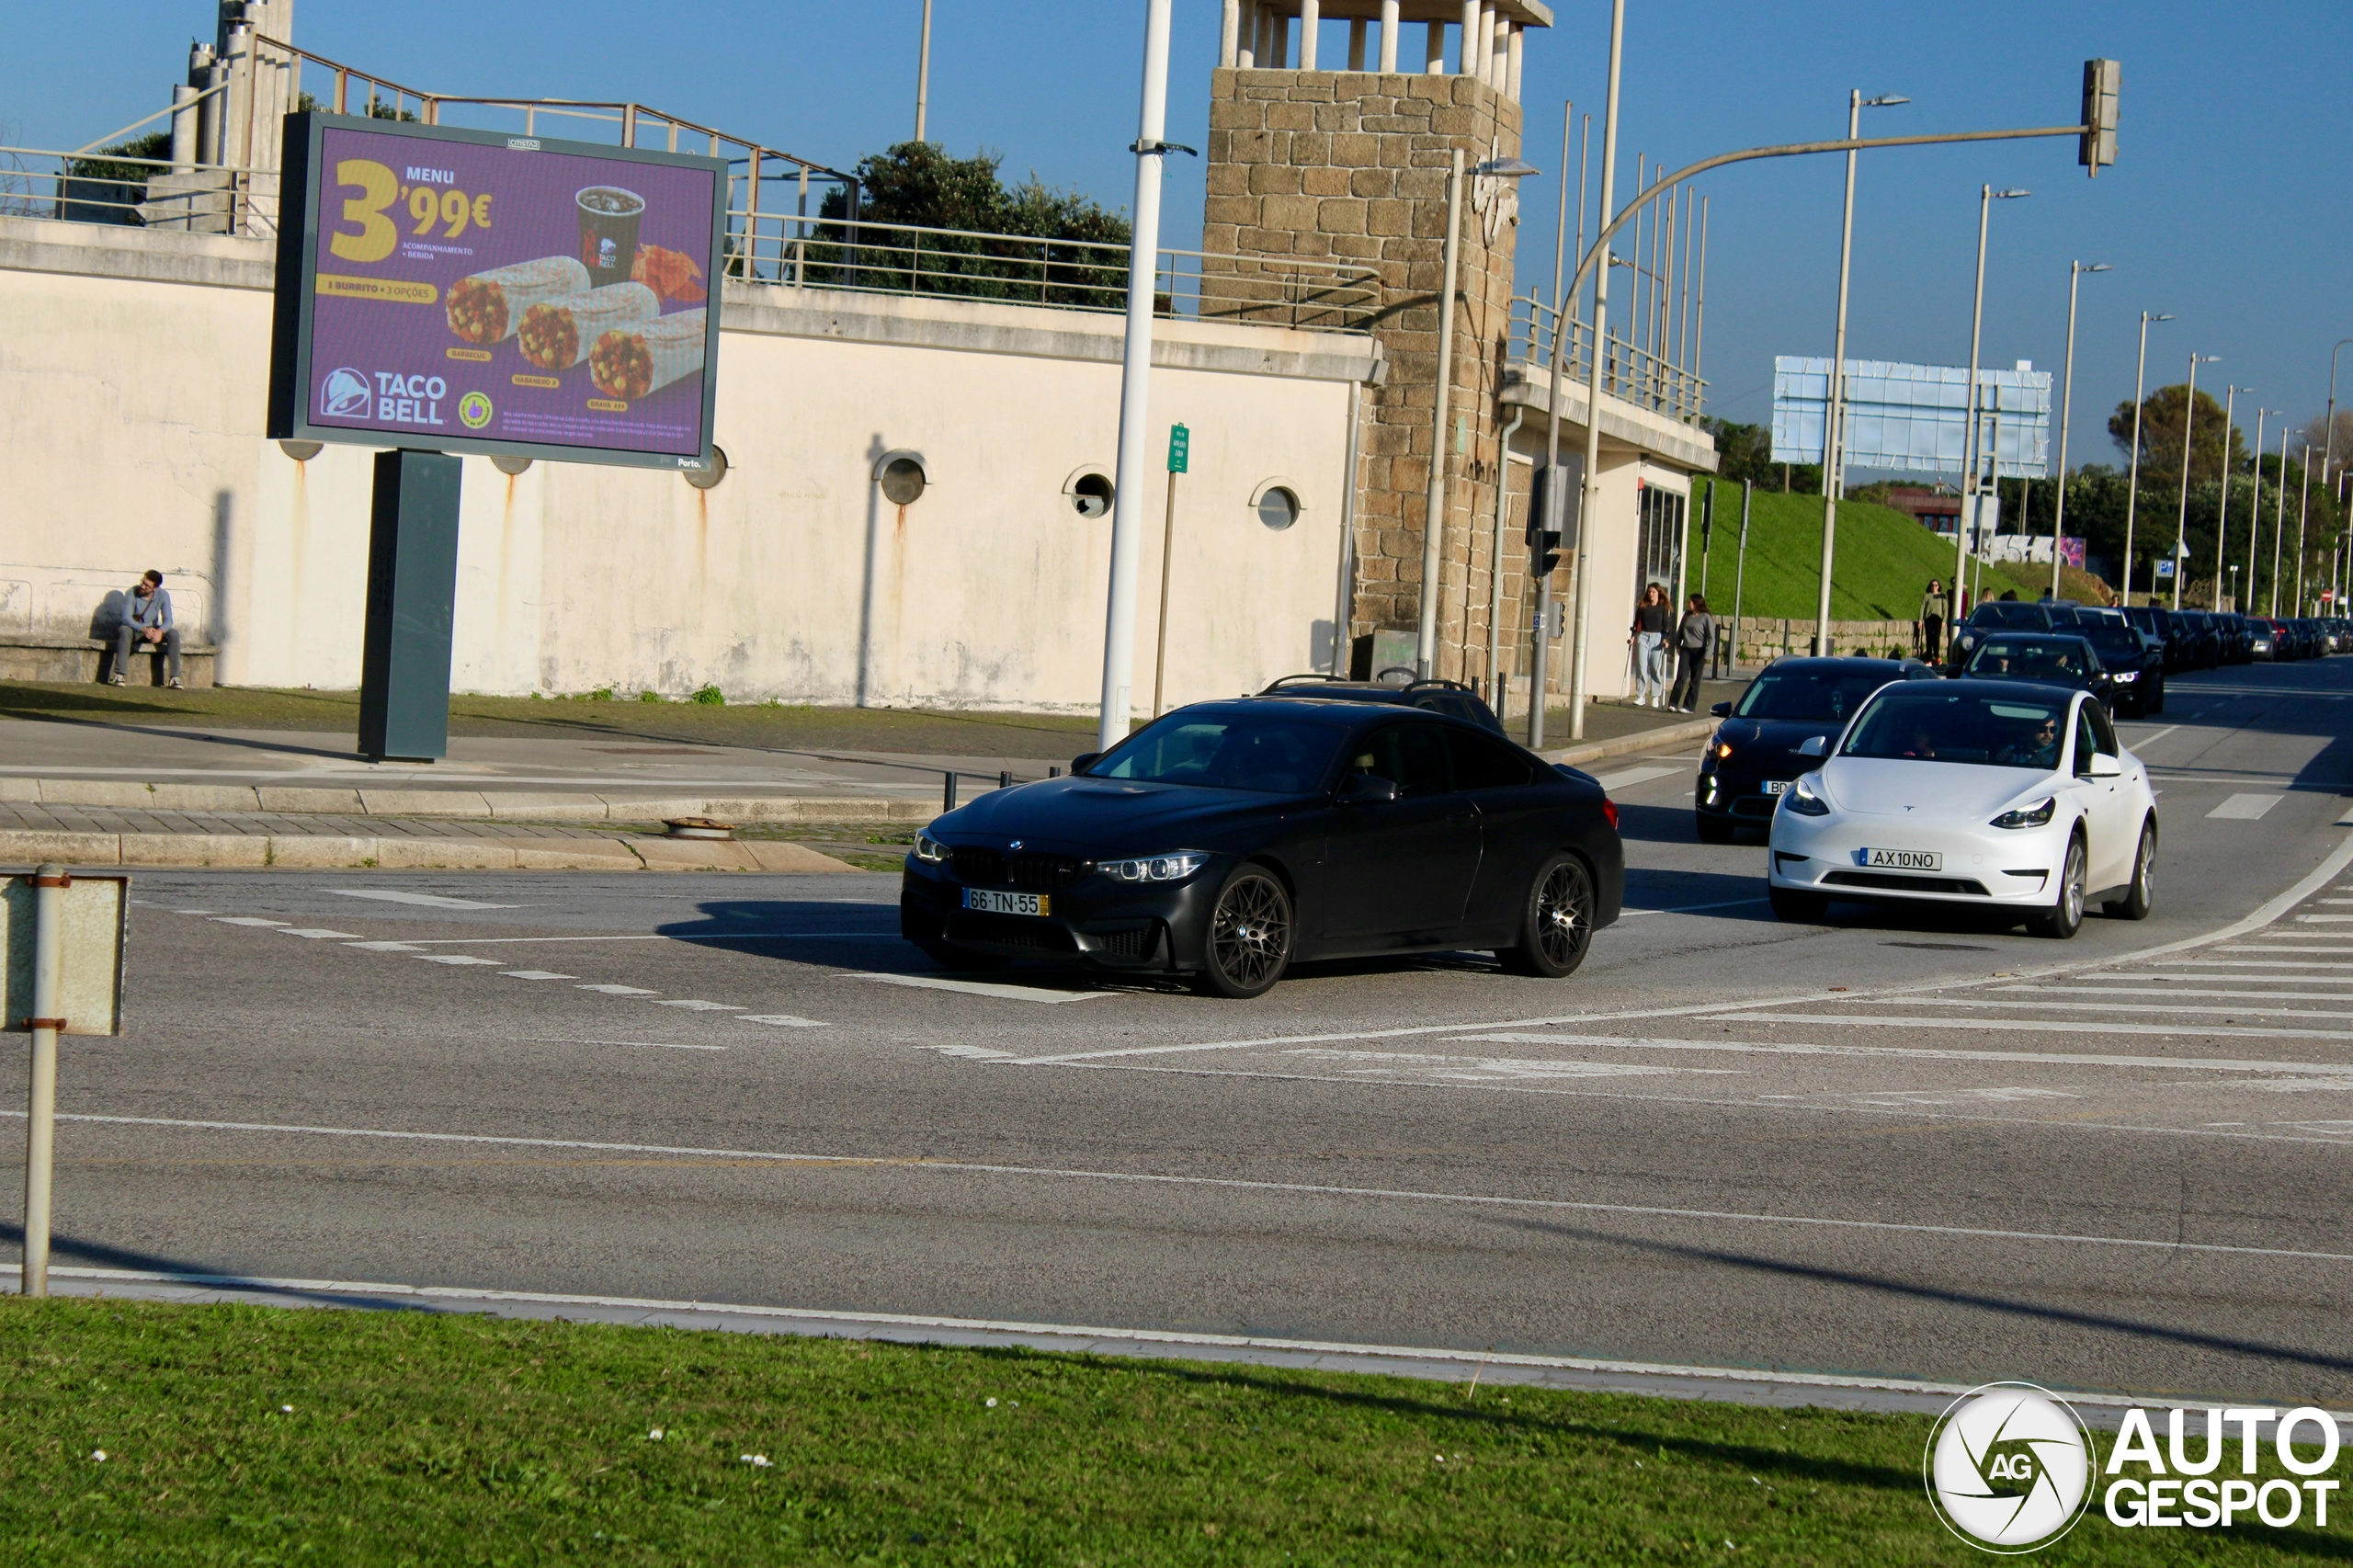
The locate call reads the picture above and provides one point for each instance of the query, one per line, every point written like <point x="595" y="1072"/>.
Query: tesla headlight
<point x="1153" y="867"/>
<point x="929" y="850"/>
<point x="2029" y="816"/>
<point x="1801" y="800"/>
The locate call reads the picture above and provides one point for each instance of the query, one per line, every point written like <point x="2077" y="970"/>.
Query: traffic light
<point x="1552" y="521"/>
<point x="2102" y="81"/>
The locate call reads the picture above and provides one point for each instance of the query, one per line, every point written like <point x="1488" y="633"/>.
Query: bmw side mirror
<point x="1083" y="761"/>
<point x="1721" y="710"/>
<point x="1366" y="789"/>
<point x="1814" y="745"/>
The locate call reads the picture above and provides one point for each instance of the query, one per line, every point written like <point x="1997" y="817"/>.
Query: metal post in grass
<point x="41" y="1103"/>
<point x="1740" y="572"/>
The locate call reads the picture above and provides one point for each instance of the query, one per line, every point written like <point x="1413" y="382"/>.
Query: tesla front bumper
<point x="1831" y="856"/>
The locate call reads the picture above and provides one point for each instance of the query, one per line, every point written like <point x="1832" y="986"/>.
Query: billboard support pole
<point x="412" y="598"/>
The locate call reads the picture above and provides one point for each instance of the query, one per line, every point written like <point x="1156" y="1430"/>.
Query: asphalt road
<point x="1894" y="1145"/>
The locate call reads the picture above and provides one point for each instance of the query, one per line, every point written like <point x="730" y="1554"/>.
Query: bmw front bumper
<point x="1159" y="927"/>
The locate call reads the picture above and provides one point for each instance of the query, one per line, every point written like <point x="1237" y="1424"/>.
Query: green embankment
<point x="1885" y="559"/>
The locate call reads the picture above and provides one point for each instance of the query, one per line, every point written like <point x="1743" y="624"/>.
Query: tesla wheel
<point x="1250" y="933"/>
<point x="1713" y="830"/>
<point x="1797" y="908"/>
<point x="2135" y="903"/>
<point x="1556" y="925"/>
<point x="2065" y="917"/>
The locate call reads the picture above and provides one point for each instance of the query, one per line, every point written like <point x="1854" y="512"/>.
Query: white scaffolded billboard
<point x="1914" y="419"/>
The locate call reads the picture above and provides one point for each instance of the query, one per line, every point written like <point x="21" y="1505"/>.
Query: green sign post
<point x="1180" y="451"/>
<point x="1180" y="447"/>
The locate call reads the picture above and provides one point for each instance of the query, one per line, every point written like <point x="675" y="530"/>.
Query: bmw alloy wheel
<point x="1250" y="936"/>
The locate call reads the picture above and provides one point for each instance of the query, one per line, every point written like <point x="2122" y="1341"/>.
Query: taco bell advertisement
<point x="470" y="291"/>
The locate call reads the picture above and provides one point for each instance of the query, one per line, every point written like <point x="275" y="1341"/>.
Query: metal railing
<point x="1629" y="371"/>
<point x="106" y="188"/>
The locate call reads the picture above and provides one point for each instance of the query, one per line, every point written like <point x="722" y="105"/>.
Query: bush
<point x="649" y="697"/>
<point x="712" y="697"/>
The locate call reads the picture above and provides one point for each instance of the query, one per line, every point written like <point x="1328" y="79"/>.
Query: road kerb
<point x="342" y="852"/>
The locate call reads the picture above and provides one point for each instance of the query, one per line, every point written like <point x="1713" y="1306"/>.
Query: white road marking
<point x="2244" y="808"/>
<point x="783" y="1021"/>
<point x="1631" y="777"/>
<point x="620" y="990"/>
<point x="428" y="900"/>
<point x="1482" y="1069"/>
<point x="456" y="959"/>
<point x="2115" y="1006"/>
<point x="2171" y="990"/>
<point x="702" y="1006"/>
<point x="2322" y="919"/>
<point x="248" y="920"/>
<point x="651" y="1044"/>
<point x="1927" y="1022"/>
<point x="1150" y="1178"/>
<point x="144" y="906"/>
<point x="985" y="988"/>
<point x="319" y="933"/>
<point x="385" y="947"/>
<point x="1685" y="909"/>
<point x="665" y="936"/>
<point x="2151" y="740"/>
<point x="535" y="975"/>
<point x="1921" y="1052"/>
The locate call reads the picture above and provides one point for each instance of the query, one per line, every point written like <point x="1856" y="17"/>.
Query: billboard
<point x="1913" y="418"/>
<point x="469" y="292"/>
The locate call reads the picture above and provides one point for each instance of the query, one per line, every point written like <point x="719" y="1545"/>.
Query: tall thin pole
<point x="2328" y="432"/>
<point x="2075" y="270"/>
<point x="2304" y="510"/>
<point x="1683" y="326"/>
<point x="2181" y="523"/>
<point x="1830" y="416"/>
<point x="2132" y="485"/>
<point x="2278" y="518"/>
<point x="922" y="73"/>
<point x="1135" y="386"/>
<point x="1434" y="502"/>
<point x="1700" y="315"/>
<point x="1969" y="480"/>
<point x="1561" y="228"/>
<point x="1167" y="565"/>
<point x="2222" y="515"/>
<point x="1740" y="567"/>
<point x="1590" y="504"/>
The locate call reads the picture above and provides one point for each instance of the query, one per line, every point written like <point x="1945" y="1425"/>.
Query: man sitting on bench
<point x="147" y="623"/>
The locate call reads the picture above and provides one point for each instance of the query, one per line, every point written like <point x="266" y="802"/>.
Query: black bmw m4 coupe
<point x="1229" y="840"/>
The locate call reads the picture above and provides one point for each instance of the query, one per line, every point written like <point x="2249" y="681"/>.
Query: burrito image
<point x="555" y="336"/>
<point x="487" y="307"/>
<point x="631" y="361"/>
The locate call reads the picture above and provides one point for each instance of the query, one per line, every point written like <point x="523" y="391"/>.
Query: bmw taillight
<point x="1609" y="810"/>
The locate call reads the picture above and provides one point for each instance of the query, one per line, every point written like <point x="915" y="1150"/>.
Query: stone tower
<point x="1307" y="161"/>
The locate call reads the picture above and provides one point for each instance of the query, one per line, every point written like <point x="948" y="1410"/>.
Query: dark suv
<point x="2135" y="660"/>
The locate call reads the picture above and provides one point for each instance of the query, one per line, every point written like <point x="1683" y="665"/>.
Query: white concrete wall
<point x="134" y="370"/>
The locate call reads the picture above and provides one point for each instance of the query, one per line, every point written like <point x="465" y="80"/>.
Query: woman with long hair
<point x="1648" y="637"/>
<point x="1693" y="636"/>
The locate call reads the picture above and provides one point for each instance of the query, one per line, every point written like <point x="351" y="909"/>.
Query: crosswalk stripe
<point x="2244" y="808"/>
<point x="1927" y="1022"/>
<point x="985" y="988"/>
<point x="1916" y="1052"/>
<point x="2121" y="1006"/>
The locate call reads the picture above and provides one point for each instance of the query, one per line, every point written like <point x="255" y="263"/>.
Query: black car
<point x="1450" y="697"/>
<point x="2005" y="615"/>
<point x="2205" y="639"/>
<point x="1779" y="730"/>
<point x="2045" y="659"/>
<point x="1228" y="840"/>
<point x="2168" y="629"/>
<point x="2135" y="662"/>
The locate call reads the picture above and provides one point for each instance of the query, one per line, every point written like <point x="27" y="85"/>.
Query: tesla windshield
<point x="1273" y="756"/>
<point x="1958" y="726"/>
<point x="1802" y="694"/>
<point x="2029" y="659"/>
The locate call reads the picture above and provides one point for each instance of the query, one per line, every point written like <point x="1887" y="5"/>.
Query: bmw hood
<point x="1871" y="786"/>
<point x="1094" y="816"/>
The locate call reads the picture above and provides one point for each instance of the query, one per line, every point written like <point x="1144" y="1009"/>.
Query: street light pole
<point x="1834" y="415"/>
<point x="2303" y="512"/>
<point x="2328" y="434"/>
<point x="1588" y="506"/>
<point x="2132" y="485"/>
<point x="2278" y="514"/>
<point x="1434" y="498"/>
<point x="1135" y="386"/>
<point x="1985" y="200"/>
<point x="2181" y="523"/>
<point x="2075" y="269"/>
<point x="2222" y="510"/>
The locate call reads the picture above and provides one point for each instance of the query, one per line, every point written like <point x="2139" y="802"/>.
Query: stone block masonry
<point x="1352" y="165"/>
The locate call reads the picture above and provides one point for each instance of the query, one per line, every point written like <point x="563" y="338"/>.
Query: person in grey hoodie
<point x="1693" y="636"/>
<point x="147" y="623"/>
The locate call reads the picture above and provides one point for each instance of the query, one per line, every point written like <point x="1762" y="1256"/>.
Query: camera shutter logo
<point x="2009" y="1468"/>
<point x="345" y="395"/>
<point x="474" y="410"/>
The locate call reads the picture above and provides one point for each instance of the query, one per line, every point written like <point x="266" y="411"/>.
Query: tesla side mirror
<point x="1084" y="760"/>
<point x="1721" y="710"/>
<point x="1814" y="745"/>
<point x="2105" y="766"/>
<point x="1366" y="789"/>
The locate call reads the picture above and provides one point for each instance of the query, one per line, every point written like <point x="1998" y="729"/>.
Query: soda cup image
<point x="609" y="220"/>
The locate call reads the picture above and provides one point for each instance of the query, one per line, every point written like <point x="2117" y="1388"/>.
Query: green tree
<point x="2161" y="421"/>
<point x="1745" y="451"/>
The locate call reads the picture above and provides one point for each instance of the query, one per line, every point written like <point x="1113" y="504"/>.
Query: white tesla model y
<point x="1991" y="794"/>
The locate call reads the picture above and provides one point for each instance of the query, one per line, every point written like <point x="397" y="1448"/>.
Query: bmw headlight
<point x="929" y="850"/>
<point x="2128" y="674"/>
<point x="2029" y="816"/>
<point x="1801" y="800"/>
<point x="1153" y="867"/>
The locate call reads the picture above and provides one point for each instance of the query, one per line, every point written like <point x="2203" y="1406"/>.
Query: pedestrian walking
<point x="1653" y="618"/>
<point x="147" y="621"/>
<point x="1930" y="626"/>
<point x="1694" y="635"/>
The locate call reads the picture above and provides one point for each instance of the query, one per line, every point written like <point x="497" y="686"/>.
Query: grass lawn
<point x="265" y="1436"/>
<point x="1885" y="559"/>
<point x="1045" y="736"/>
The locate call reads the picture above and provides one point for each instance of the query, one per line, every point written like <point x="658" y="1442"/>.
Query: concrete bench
<point x="67" y="659"/>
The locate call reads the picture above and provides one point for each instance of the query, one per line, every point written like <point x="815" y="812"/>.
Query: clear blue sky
<point x="2221" y="207"/>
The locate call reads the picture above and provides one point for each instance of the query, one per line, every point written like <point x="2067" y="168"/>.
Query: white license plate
<point x="1777" y="786"/>
<point x="1903" y="860"/>
<point x="1006" y="902"/>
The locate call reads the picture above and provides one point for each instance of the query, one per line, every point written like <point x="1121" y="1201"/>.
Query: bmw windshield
<point x="1269" y="756"/>
<point x="2031" y="658"/>
<point x="1829" y="695"/>
<point x="1932" y="725"/>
